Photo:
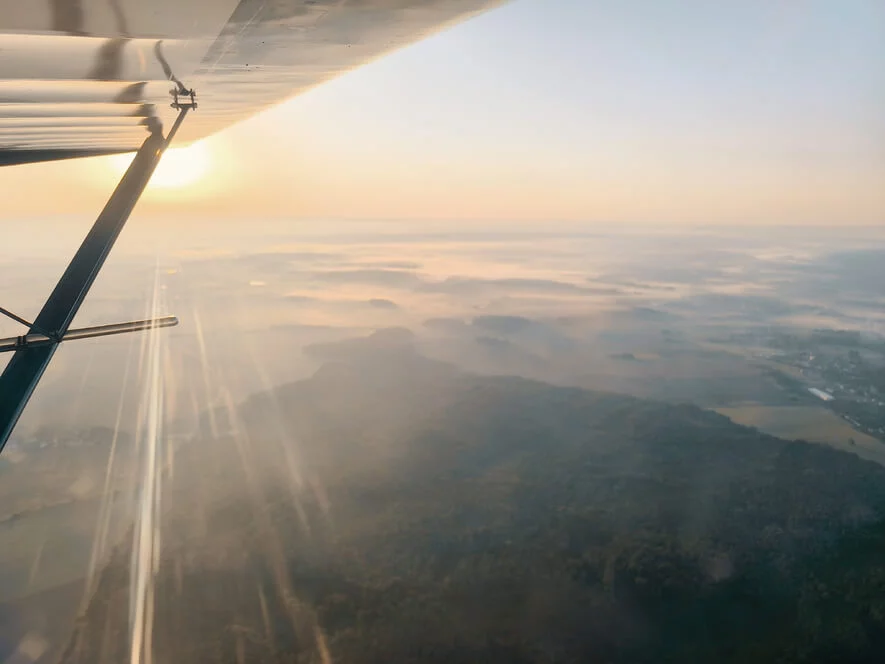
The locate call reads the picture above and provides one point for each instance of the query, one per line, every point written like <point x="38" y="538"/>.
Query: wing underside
<point x="89" y="77"/>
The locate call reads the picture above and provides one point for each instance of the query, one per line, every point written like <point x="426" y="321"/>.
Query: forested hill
<point x="392" y="509"/>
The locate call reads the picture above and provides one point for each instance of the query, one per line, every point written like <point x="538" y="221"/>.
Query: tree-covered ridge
<point x="445" y="517"/>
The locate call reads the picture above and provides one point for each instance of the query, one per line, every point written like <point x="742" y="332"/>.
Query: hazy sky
<point x="680" y="110"/>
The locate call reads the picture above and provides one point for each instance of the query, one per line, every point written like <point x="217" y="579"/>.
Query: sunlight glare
<point x="179" y="167"/>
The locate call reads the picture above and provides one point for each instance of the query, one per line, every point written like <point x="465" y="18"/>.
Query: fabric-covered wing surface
<point x="82" y="77"/>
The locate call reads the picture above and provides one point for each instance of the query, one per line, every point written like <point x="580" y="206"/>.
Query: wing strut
<point x="34" y="350"/>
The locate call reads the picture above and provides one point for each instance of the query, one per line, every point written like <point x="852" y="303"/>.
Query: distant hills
<point x="394" y="509"/>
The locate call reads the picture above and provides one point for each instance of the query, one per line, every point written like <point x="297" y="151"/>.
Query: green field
<point x="811" y="423"/>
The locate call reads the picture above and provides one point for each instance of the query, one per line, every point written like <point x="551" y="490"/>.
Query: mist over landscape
<point x="508" y="332"/>
<point x="568" y="306"/>
<point x="403" y="442"/>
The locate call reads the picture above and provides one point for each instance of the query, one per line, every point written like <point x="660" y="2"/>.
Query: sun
<point x="179" y="167"/>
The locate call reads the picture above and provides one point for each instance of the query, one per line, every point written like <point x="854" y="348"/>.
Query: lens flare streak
<point x="145" y="559"/>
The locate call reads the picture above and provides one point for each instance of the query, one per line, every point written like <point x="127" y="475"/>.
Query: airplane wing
<point x="88" y="77"/>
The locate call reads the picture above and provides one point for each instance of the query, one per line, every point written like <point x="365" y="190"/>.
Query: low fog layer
<point x="621" y="311"/>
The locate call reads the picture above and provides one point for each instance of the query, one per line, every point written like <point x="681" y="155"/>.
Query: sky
<point x="689" y="111"/>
